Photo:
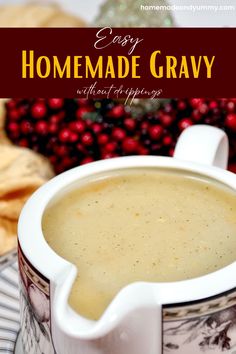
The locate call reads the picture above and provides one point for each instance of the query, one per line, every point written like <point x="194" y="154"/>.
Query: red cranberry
<point x="83" y="101"/>
<point x="23" y="143"/>
<point x="41" y="127"/>
<point x="86" y="160"/>
<point x="11" y="104"/>
<point x="55" y="103"/>
<point x="73" y="137"/>
<point x="203" y="108"/>
<point x="213" y="105"/>
<point x="81" y="148"/>
<point x="130" y="145"/>
<point x="166" y="120"/>
<point x="38" y="110"/>
<point x="155" y="132"/>
<point x="130" y="124"/>
<point x="108" y="137"/>
<point x="167" y="140"/>
<point x="22" y="110"/>
<point x="144" y="128"/>
<point x="103" y="139"/>
<point x="82" y="112"/>
<point x="55" y="118"/>
<point x="64" y="135"/>
<point x="53" y="128"/>
<point x="145" y="125"/>
<point x="78" y="126"/>
<point x="143" y="151"/>
<point x="196" y="115"/>
<point x="185" y="123"/>
<point x="53" y="159"/>
<point x="96" y="128"/>
<point x="118" y="134"/>
<point x="88" y="122"/>
<point x="26" y="127"/>
<point x="110" y="147"/>
<point x="230" y="121"/>
<point x="67" y="162"/>
<point x="168" y="108"/>
<point x="195" y="102"/>
<point x="61" y="150"/>
<point x="181" y="105"/>
<point x="108" y="155"/>
<point x="230" y="106"/>
<point x="117" y="111"/>
<point x="14" y="114"/>
<point x="87" y="139"/>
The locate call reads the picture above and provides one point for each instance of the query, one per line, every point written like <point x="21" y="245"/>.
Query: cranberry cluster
<point x="73" y="132"/>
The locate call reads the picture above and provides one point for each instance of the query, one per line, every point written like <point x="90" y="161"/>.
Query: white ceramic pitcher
<point x="186" y="317"/>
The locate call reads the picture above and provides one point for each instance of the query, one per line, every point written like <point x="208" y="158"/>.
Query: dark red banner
<point x="118" y="63"/>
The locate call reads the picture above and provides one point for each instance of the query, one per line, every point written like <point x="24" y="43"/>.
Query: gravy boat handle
<point x="203" y="144"/>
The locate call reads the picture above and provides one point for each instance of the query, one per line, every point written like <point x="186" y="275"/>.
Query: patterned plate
<point x="9" y="303"/>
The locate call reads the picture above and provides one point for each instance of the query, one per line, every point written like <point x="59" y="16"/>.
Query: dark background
<point x="80" y="41"/>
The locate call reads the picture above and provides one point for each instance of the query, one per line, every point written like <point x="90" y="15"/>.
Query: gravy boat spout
<point x="131" y="322"/>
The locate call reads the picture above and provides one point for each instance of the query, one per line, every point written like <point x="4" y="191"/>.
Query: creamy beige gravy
<point x="140" y="225"/>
